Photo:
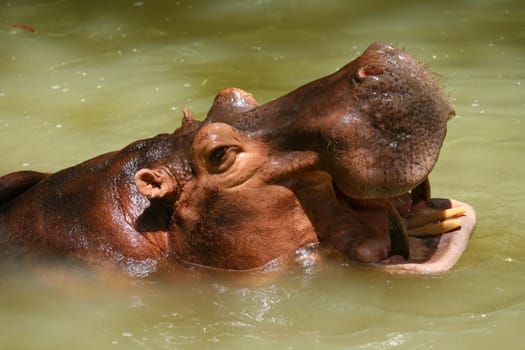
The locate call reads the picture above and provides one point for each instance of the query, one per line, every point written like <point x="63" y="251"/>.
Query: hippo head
<point x="338" y="161"/>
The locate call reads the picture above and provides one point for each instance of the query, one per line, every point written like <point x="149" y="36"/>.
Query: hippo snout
<point x="388" y="127"/>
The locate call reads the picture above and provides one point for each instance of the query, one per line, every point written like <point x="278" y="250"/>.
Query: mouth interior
<point x="415" y="222"/>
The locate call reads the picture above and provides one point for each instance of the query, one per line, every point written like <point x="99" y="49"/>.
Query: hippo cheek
<point x="247" y="227"/>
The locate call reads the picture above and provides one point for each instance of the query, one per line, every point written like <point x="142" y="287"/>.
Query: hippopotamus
<point x="340" y="164"/>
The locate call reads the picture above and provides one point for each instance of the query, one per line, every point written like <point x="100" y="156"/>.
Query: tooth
<point x="398" y="233"/>
<point x="440" y="215"/>
<point x="435" y="229"/>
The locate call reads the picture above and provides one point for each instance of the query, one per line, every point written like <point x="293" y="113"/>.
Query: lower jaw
<point x="436" y="254"/>
<point x="414" y="250"/>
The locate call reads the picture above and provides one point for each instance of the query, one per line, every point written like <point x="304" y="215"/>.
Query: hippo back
<point x="14" y="184"/>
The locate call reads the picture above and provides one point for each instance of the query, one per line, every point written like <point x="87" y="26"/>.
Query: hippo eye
<point x="217" y="155"/>
<point x="221" y="159"/>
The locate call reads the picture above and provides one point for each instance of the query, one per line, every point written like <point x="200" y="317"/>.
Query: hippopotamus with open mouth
<point x="341" y="163"/>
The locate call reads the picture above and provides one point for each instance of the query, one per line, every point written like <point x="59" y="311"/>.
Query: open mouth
<point x="427" y="235"/>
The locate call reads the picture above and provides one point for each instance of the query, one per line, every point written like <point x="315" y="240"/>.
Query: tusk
<point x="440" y="215"/>
<point x="435" y="229"/>
<point x="397" y="232"/>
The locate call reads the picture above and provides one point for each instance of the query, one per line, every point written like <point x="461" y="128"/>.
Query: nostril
<point x="369" y="71"/>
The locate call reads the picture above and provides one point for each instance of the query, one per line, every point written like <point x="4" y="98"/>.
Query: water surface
<point x="96" y="76"/>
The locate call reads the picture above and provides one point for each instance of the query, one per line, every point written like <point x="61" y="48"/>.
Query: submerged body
<point x="341" y="162"/>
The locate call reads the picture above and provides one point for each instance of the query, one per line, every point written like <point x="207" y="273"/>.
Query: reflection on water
<point x="97" y="75"/>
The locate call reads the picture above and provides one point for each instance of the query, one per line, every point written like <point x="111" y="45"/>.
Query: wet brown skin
<point x="251" y="183"/>
<point x="93" y="211"/>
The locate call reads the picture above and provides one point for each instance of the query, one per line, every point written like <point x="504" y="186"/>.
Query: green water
<point x="96" y="76"/>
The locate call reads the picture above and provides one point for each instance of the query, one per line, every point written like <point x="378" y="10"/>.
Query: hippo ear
<point x="155" y="183"/>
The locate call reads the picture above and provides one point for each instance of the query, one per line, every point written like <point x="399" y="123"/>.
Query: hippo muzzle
<point x="384" y="135"/>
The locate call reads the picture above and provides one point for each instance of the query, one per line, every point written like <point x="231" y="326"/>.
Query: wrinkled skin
<point x="325" y="164"/>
